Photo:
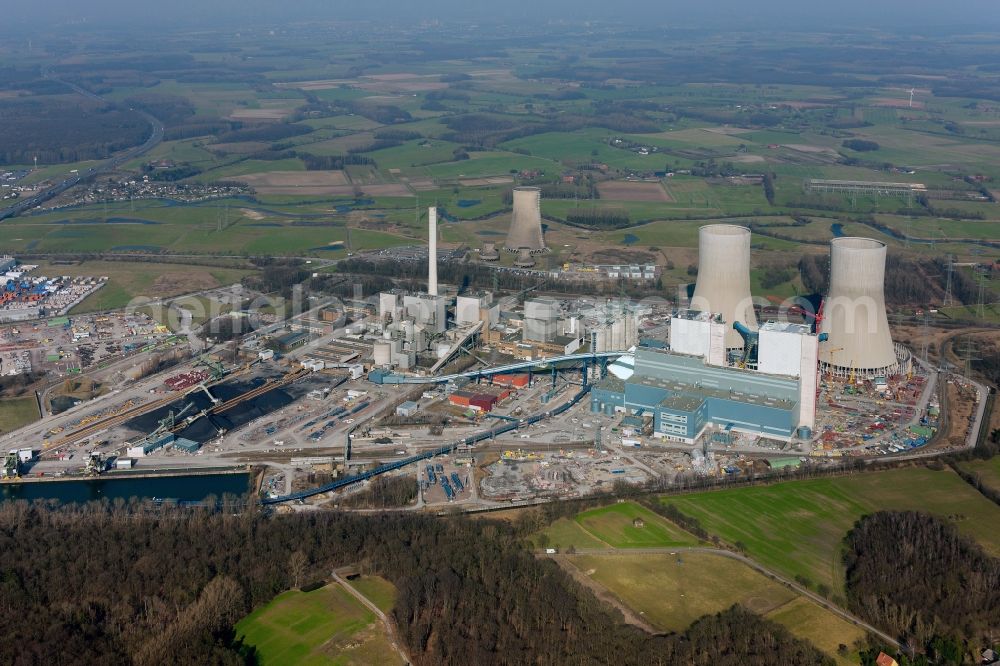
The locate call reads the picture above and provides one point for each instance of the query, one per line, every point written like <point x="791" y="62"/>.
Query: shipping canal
<point x="187" y="488"/>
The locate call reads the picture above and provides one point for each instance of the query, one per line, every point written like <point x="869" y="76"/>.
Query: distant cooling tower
<point x="526" y="222"/>
<point x="723" y="283"/>
<point x="524" y="258"/>
<point x="854" y="310"/>
<point x="489" y="252"/>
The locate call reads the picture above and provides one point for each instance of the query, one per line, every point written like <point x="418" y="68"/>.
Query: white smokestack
<point x="432" y="251"/>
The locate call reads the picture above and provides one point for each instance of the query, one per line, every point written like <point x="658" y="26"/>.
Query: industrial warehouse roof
<point x="611" y="383"/>
<point x="682" y="402"/>
<point x="706" y="392"/>
<point x="786" y="327"/>
<point x="778" y="463"/>
<point x="692" y="370"/>
<point x="690" y="375"/>
<point x="868" y="183"/>
<point x="186" y="445"/>
<point x="291" y="338"/>
<point x="693" y="315"/>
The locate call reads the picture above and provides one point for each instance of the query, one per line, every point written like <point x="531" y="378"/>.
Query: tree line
<point x="917" y="577"/>
<point x="125" y="583"/>
<point x="58" y="130"/>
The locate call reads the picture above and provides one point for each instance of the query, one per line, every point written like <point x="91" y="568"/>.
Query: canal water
<point x="182" y="488"/>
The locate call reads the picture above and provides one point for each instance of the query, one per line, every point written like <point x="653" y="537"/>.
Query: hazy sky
<point x="809" y="14"/>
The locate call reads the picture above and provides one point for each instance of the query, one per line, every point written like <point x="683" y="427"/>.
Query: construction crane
<point x="168" y="422"/>
<point x="215" y="367"/>
<point x="806" y="314"/>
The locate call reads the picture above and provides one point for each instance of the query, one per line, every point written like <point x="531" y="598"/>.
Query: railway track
<point x="109" y="422"/>
<point x="259" y="391"/>
<point x="139" y="410"/>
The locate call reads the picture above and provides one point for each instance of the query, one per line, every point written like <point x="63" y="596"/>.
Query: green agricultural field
<point x="614" y="526"/>
<point x="377" y="590"/>
<point x="222" y="227"/>
<point x="565" y="533"/>
<point x="489" y="164"/>
<point x="325" y="626"/>
<point x="17" y="412"/>
<point x="987" y="470"/>
<point x="820" y="627"/>
<point x="245" y="167"/>
<point x="129" y="280"/>
<point x="670" y="591"/>
<point x="584" y="147"/>
<point x="414" y="154"/>
<point x="797" y="527"/>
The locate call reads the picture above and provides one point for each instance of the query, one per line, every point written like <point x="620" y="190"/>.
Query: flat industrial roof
<point x="736" y="396"/>
<point x="693" y="315"/>
<point x="868" y="183"/>
<point x="682" y="403"/>
<point x="786" y="327"/>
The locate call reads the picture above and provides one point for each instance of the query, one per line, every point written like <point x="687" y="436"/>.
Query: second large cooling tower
<point x="526" y="222"/>
<point x="854" y="310"/>
<point x="723" y="283"/>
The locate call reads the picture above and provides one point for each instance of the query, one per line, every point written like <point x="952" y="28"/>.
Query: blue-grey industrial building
<point x="685" y="395"/>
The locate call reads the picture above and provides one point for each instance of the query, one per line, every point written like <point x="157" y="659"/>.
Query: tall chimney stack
<point x="432" y="251"/>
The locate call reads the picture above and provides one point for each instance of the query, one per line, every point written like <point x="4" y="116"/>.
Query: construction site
<point x="486" y="400"/>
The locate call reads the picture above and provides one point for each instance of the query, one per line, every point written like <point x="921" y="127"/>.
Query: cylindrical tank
<point x="723" y="283"/>
<point x="526" y="221"/>
<point x="854" y="319"/>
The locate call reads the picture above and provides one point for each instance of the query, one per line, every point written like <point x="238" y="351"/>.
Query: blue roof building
<point x="685" y="396"/>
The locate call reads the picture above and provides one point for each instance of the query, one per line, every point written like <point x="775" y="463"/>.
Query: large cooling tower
<point x="526" y="222"/>
<point x="723" y="283"/>
<point x="854" y="310"/>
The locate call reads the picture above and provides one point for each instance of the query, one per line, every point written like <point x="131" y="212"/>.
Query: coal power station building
<point x="685" y="395"/>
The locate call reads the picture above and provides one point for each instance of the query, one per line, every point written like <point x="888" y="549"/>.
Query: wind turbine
<point x="912" y="90"/>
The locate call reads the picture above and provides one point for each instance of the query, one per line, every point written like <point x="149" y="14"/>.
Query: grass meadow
<point x="325" y="626"/>
<point x="797" y="527"/>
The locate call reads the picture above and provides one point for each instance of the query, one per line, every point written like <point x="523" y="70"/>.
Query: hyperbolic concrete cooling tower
<point x="723" y="283"/>
<point x="526" y="222"/>
<point x="854" y="310"/>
